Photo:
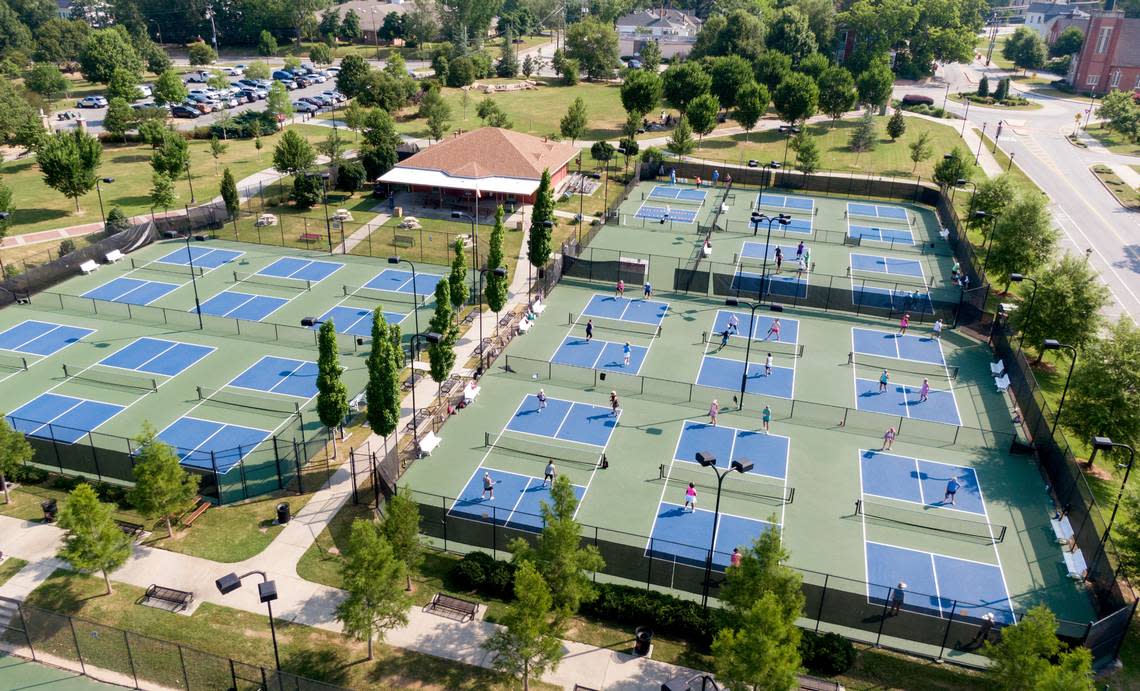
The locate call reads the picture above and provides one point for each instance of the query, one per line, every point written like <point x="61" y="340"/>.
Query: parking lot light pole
<point x="757" y="219"/>
<point x="709" y="461"/>
<point x="1106" y="444"/>
<point x="99" y="193"/>
<point x="1018" y="278"/>
<point x="415" y="288"/>
<point x="1053" y="344"/>
<point x="266" y="592"/>
<point x="733" y="302"/>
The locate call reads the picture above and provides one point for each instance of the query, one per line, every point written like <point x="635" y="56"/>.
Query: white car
<point x="235" y="71"/>
<point x="304" y="107"/>
<point x="144" y="91"/>
<point x="199" y="77"/>
<point x="91" y="102"/>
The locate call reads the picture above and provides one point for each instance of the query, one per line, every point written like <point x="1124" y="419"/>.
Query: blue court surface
<point x="785" y="201"/>
<point x="893" y="235"/>
<point x="596" y="354"/>
<point x="280" y="376"/>
<point x="681" y="536"/>
<point x="400" y="281"/>
<point x="893" y="266"/>
<point x="581" y="423"/>
<point x="211" y="445"/>
<point x="938" y="585"/>
<point x="355" y="320"/>
<point x="795" y="225"/>
<point x="516" y="501"/>
<point x="759" y="329"/>
<point x="919" y="481"/>
<point x="894" y="345"/>
<point x="892" y="213"/>
<point x="722" y="373"/>
<point x="134" y="291"/>
<point x="666" y="214"/>
<point x="768" y="452"/>
<point x="62" y="418"/>
<point x="775" y="284"/>
<point x="41" y="338"/>
<point x="902" y="401"/>
<point x="888" y="299"/>
<point x="157" y="356"/>
<point x="625" y="309"/>
<point x="684" y="194"/>
<point x="236" y="305"/>
<point x="202" y="257"/>
<point x="301" y="269"/>
<point x="753" y="251"/>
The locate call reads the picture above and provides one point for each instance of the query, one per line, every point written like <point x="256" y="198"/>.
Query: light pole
<point x="964" y="116"/>
<point x="266" y="592"/>
<point x="189" y="181"/>
<point x="501" y="273"/>
<point x="415" y="288"/>
<point x="1053" y="344"/>
<point x="581" y="198"/>
<point x="752" y="307"/>
<point x="989" y="242"/>
<point x="157" y="28"/>
<point x="99" y="193"/>
<point x="709" y="461"/>
<point x="474" y="241"/>
<point x="375" y="34"/>
<point x="430" y="337"/>
<point x="980" y="140"/>
<point x="757" y="219"/>
<point x="962" y="182"/>
<point x="194" y="281"/>
<point x="1009" y="165"/>
<point x="325" y="201"/>
<point x="1018" y="278"/>
<point x="946" y="96"/>
<point x="1099" y="443"/>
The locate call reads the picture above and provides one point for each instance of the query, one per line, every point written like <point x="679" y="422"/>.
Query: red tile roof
<point x="493" y="152"/>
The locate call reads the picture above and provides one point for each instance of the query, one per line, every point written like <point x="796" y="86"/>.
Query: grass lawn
<point x="26" y="500"/>
<point x="1124" y="193"/>
<point x="294" y="224"/>
<point x="958" y="98"/>
<point x="24" y="257"/>
<point x="231" y="533"/>
<point x="434" y="242"/>
<point x="536" y="111"/>
<point x="315" y="653"/>
<point x="1113" y="141"/>
<point x="887" y="158"/>
<point x="9" y="567"/>
<point x="38" y="207"/>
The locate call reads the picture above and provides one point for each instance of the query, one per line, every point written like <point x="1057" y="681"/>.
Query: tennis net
<point x="390" y="296"/>
<point x="680" y="476"/>
<point x="682" y="196"/>
<point x="885" y="216"/>
<point x="252" y="401"/>
<point x="124" y="379"/>
<point x="932" y="519"/>
<point x="760" y="346"/>
<point x="277" y="281"/>
<point x="606" y="324"/>
<point x="542" y="451"/>
<point x="183" y="269"/>
<point x="922" y="369"/>
<point x="11" y="361"/>
<point x="889" y="281"/>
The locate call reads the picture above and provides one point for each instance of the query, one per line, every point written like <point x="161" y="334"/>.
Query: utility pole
<point x="213" y="28"/>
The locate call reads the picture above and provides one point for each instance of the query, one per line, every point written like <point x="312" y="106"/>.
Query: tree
<point x="93" y="541"/>
<point x="1021" y="659"/>
<point x="875" y="84"/>
<point x="384" y="364"/>
<point x="896" y="126"/>
<point x="353" y="75"/>
<point x="266" y="44"/>
<point x="120" y="118"/>
<point x="984" y="86"/>
<point x="920" y="149"/>
<point x="105" y="51"/>
<point x="172" y="157"/>
<point x="330" y="23"/>
<point x="740" y="32"/>
<point x="602" y="151"/>
<point x="229" y="192"/>
<point x="701" y="114"/>
<point x="69" y="162"/>
<point x="1120" y="113"/>
<point x="751" y="103"/>
<point x="7" y="207"/>
<point x="837" y="93"/>
<point x="730" y="74"/>
<point x="508" y="63"/>
<point x="528" y="66"/>
<point x="457" y="279"/>
<point x="354" y="115"/>
<point x="332" y="397"/>
<point x="594" y="45"/>
<point x="496" y="288"/>
<point x="163" y="489"/>
<point x="350" y="26"/>
<point x="401" y="528"/>
<point x="684" y="81"/>
<point x="640" y="92"/>
<point x="762" y="652"/>
<point x="277" y="104"/>
<point x="530" y="641"/>
<point x="1069" y="42"/>
<point x="332" y="148"/>
<point x="168" y="88"/>
<point x="796" y="98"/>
<point x="650" y="56"/>
<point x="681" y="141"/>
<point x="1067" y="306"/>
<point x="60" y="40"/>
<point x="570" y="70"/>
<point x="1104" y="398"/>
<point x="992" y="196"/>
<point x="373" y="579"/>
<point x="293" y="153"/>
<point x="807" y="152"/>
<point x="441" y="355"/>
<point x="257" y="70"/>
<point x="15" y="451"/>
<point x="162" y="191"/>
<point x="320" y="54"/>
<point x="201" y="53"/>
<point x="1002" y="91"/>
<point x="46" y="80"/>
<point x="573" y="123"/>
<point x="437" y="112"/>
<point x="538" y="242"/>
<point x="217" y="150"/>
<point x="1025" y="49"/>
<point x="763" y="570"/>
<point x="791" y="35"/>
<point x="953" y="167"/>
<point x="117" y="221"/>
<point x="771" y="68"/>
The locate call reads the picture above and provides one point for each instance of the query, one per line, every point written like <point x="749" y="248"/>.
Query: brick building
<point x="1110" y="56"/>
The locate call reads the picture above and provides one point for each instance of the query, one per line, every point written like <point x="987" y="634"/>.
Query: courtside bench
<point x="453" y="606"/>
<point x="174" y="600"/>
<point x="131" y="530"/>
<point x="310" y="237"/>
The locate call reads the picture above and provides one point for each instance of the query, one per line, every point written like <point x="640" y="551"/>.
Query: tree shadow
<point x="328" y="665"/>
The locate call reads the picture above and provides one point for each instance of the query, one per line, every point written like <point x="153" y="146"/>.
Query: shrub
<point x="501" y="580"/>
<point x="663" y="613"/>
<point x="239" y="127"/>
<point x="66" y="246"/>
<point x="29" y="475"/>
<point x="350" y="176"/>
<point x="469" y="574"/>
<point x="306" y="191"/>
<point x="916" y="99"/>
<point x="826" y="654"/>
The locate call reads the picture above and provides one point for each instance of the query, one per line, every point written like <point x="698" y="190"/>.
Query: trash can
<point x="282" y="513"/>
<point x="51" y="508"/>
<point x="643" y="639"/>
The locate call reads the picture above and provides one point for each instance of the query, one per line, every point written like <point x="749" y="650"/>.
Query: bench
<point x="1075" y="564"/>
<point x="265" y="220"/>
<point x="427" y="444"/>
<point x="806" y="683"/>
<point x="114" y="256"/>
<point x="359" y="401"/>
<point x="524" y="325"/>
<point x="189" y="519"/>
<point x="1062" y="529"/>
<point x="131" y="530"/>
<point x="310" y="237"/>
<point x="403" y="241"/>
<point x="177" y="599"/>
<point x="465" y="609"/>
<point x="1002" y="383"/>
<point x="538" y="308"/>
<point x="89" y="267"/>
<point x="997" y="368"/>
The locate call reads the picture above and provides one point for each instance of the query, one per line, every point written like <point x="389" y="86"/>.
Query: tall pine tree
<point x="538" y="244"/>
<point x="383" y="391"/>
<point x="457" y="279"/>
<point x="496" y="285"/>
<point x="332" y="397"/>
<point x="441" y="355"/>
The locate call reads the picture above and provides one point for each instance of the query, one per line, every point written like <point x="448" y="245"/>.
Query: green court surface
<point x="18" y="673"/>
<point x="993" y="551"/>
<point x="236" y="398"/>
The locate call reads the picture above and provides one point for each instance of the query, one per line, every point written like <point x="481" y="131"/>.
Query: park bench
<point x="114" y="256"/>
<point x="188" y="520"/>
<point x="403" y="241"/>
<point x="310" y="237"/>
<point x="89" y="267"/>
<point x="1075" y="562"/>
<point x="428" y="443"/>
<point x="455" y="606"/>
<point x="131" y="530"/>
<point x="175" y="600"/>
<point x="807" y="683"/>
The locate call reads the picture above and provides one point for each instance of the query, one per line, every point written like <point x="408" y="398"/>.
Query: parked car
<point x="232" y="71"/>
<point x="91" y="102"/>
<point x="318" y="77"/>
<point x="332" y="71"/>
<point x="202" y="107"/>
<point x="181" y="111"/>
<point x="303" y="81"/>
<point x="282" y="75"/>
<point x="336" y="96"/>
<point x="251" y="95"/>
<point x="144" y="91"/>
<point x="150" y="105"/>
<point x="917" y="99"/>
<point x="289" y="84"/>
<point x="304" y="107"/>
<point x="246" y="83"/>
<point x="199" y="77"/>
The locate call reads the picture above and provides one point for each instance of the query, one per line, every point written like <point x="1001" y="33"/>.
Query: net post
<point x="946" y="635"/>
<point x="822" y="596"/>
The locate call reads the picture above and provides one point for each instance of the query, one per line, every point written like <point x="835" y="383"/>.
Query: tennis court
<point x="785" y="201"/>
<point x="638" y="315"/>
<point x="919" y="481"/>
<point x="200" y="256"/>
<point x="683" y="536"/>
<point x="514" y="500"/>
<point x="40" y="338"/>
<point x="282" y="376"/>
<point x="62" y="418"/>
<point x="599" y="354"/>
<point x="891" y="344"/>
<point x="132" y="291"/>
<point x="211" y="445"/>
<point x="298" y="269"/>
<point x="666" y="214"/>
<point x="682" y="194"/>
<point x="157" y="356"/>
<point x="396" y="284"/>
<point x="575" y="422"/>
<point x="769" y="452"/>
<point x="877" y="234"/>
<point x="879" y="211"/>
<point x="754" y="283"/>
<point x="893" y="299"/>
<point x="905" y="400"/>
<point x="233" y="304"/>
<point x="894" y="267"/>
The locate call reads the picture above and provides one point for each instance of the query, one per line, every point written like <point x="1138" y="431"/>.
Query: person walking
<point x="619" y="290"/>
<point x="766" y="418"/>
<point x="488" y="486"/>
<point x="768" y="365"/>
<point x="889" y="438"/>
<point x="723" y="340"/>
<point x="984" y="630"/>
<point x="614" y="403"/>
<point x="904" y="323"/>
<point x="648" y="292"/>
<point x="548" y="477"/>
<point x="733" y="323"/>
<point x="884" y="379"/>
<point x="589" y="329"/>
<point x="625" y="352"/>
<point x="714" y="410"/>
<point x="897" y="597"/>
<point x="715" y="177"/>
<point x="936" y="330"/>
<point x="774" y="331"/>
<point x="779" y="258"/>
<point x="952" y="488"/>
<point x="924" y="390"/>
<point x="541" y="400"/>
<point x="691" y="498"/>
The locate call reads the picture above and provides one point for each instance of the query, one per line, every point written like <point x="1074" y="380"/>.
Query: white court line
<point x="937" y="590"/>
<point x="80" y="401"/>
<point x="529" y="479"/>
<point x="997" y="555"/>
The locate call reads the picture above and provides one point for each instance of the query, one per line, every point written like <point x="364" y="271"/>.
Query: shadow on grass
<point x="328" y="665"/>
<point x="31" y="216"/>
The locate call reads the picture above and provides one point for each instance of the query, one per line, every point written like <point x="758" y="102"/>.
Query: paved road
<point x="1086" y="213"/>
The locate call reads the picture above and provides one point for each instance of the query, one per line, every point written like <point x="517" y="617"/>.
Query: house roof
<point x="655" y="17"/>
<point x="492" y="152"/>
<point x="1053" y="9"/>
<point x="364" y="8"/>
<point x="1128" y="45"/>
